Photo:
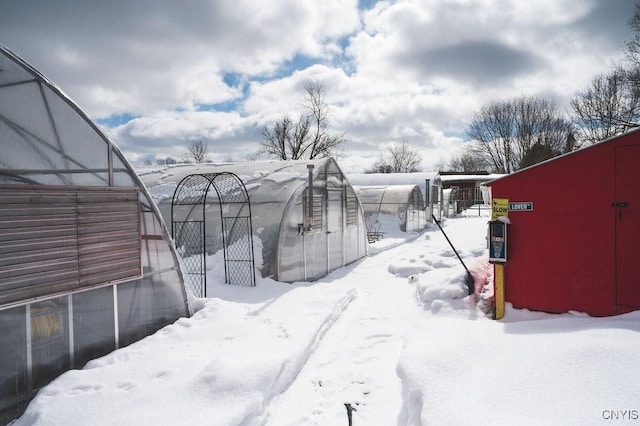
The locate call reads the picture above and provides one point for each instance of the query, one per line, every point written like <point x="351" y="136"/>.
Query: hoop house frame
<point x="87" y="264"/>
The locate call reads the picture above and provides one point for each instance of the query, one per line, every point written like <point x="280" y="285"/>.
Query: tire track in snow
<point x="289" y="371"/>
<point x="357" y="359"/>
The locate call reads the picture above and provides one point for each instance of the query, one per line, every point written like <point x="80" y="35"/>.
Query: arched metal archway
<point x="199" y="233"/>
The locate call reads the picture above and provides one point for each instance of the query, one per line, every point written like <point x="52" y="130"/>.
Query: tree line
<point x="509" y="135"/>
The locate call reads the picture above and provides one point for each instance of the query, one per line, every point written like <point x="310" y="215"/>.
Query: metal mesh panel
<point x="239" y="259"/>
<point x="189" y="238"/>
<point x="229" y="188"/>
<point x="201" y="191"/>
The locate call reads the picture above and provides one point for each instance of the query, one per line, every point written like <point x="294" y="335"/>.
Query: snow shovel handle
<point x="470" y="280"/>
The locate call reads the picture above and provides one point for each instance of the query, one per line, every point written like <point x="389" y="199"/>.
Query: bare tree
<point x="322" y="142"/>
<point x="609" y="106"/>
<point x="308" y="137"/>
<point x="633" y="46"/>
<point x="399" y="158"/>
<point x="166" y="161"/>
<point x="468" y="162"/>
<point x="198" y="153"/>
<point x="513" y="133"/>
<point x="275" y="139"/>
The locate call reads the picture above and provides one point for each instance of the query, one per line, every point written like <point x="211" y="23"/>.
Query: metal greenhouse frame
<point x="197" y="234"/>
<point x="307" y="220"/>
<point x="87" y="264"/>
<point x="404" y="202"/>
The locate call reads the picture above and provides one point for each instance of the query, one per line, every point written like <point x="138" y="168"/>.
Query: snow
<point x="371" y="179"/>
<point x="394" y="335"/>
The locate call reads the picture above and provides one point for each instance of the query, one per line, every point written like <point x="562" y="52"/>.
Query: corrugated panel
<point x="318" y="211"/>
<point x="108" y="236"/>
<point x="352" y="210"/>
<point x="54" y="240"/>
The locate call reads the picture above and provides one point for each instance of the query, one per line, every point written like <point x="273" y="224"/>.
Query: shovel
<point x="469" y="281"/>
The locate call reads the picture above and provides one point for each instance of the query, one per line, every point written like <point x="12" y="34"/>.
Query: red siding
<point x="562" y="254"/>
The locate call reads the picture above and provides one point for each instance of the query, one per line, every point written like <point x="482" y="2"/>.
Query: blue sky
<point x="157" y="76"/>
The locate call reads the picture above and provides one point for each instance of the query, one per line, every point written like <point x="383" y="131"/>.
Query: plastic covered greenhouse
<point x="301" y="238"/>
<point x="401" y="203"/>
<point x="429" y="183"/>
<point x="86" y="261"/>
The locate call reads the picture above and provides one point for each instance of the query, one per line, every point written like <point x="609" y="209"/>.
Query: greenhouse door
<point x="627" y="223"/>
<point x="334" y="230"/>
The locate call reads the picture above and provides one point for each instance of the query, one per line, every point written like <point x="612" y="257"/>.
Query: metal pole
<point x="427" y="187"/>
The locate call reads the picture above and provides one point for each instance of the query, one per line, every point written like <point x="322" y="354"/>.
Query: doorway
<point x="627" y="225"/>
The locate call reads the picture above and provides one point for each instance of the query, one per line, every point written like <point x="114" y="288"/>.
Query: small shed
<point x="86" y="262"/>
<point x="301" y="238"/>
<point x="465" y="188"/>
<point x="574" y="235"/>
<point x="403" y="203"/>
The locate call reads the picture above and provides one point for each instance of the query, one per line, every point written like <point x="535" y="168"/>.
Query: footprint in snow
<point x="125" y="386"/>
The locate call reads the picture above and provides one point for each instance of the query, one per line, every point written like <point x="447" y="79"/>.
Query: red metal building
<point x="574" y="238"/>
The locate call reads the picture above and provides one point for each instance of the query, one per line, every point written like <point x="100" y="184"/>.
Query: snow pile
<point x="283" y="177"/>
<point x="547" y="369"/>
<point x="163" y="191"/>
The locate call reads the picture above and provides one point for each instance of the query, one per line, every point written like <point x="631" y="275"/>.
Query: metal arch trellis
<point x="197" y="235"/>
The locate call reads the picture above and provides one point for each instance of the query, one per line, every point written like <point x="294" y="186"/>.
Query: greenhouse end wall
<point x="86" y="262"/>
<point x="403" y="202"/>
<point x="338" y="234"/>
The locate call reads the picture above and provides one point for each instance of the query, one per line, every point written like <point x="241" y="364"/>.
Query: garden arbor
<point x="200" y="230"/>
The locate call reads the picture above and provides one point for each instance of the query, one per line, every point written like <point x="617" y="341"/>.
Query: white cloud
<point x="412" y="70"/>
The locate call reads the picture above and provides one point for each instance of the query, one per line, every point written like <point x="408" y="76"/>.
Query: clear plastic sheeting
<point x="46" y="138"/>
<point x="301" y="240"/>
<point x="429" y="183"/>
<point x="68" y="219"/>
<point x="404" y="202"/>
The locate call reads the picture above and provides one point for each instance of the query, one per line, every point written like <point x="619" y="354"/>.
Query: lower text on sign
<point x="521" y="206"/>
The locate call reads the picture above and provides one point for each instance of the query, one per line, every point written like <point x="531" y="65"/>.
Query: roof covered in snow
<point x="418" y="178"/>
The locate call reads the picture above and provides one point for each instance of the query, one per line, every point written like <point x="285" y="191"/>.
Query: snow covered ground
<point x="393" y="335"/>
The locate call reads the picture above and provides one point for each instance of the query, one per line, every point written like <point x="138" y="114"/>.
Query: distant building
<point x="465" y="187"/>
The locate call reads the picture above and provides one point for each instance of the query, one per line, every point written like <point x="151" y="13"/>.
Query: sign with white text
<point x="521" y="206"/>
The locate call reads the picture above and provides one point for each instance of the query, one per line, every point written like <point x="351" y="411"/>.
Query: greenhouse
<point x="300" y="238"/>
<point x="429" y="183"/>
<point x="86" y="261"/>
<point x="401" y="204"/>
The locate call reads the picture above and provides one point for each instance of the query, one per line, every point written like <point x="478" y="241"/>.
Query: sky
<point x="159" y="75"/>
<point x="394" y="335"/>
